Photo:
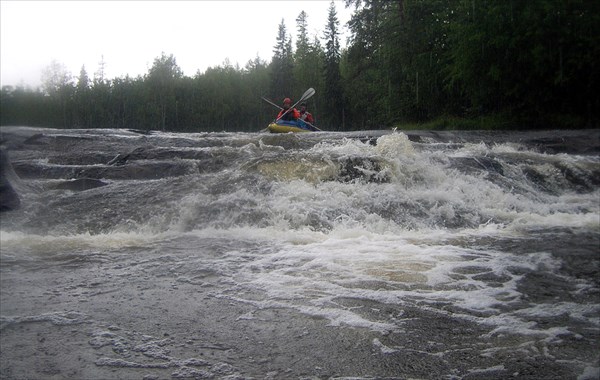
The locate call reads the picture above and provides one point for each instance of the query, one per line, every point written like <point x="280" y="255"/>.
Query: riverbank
<point x="500" y="122"/>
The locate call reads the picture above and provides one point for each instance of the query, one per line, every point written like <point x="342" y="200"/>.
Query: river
<point x="359" y="255"/>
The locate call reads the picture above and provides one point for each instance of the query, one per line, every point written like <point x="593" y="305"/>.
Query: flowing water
<point x="378" y="254"/>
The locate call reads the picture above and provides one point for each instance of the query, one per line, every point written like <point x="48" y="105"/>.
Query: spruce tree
<point x="334" y="102"/>
<point x="282" y="65"/>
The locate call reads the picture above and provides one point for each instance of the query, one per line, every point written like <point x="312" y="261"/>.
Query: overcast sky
<point x="131" y="34"/>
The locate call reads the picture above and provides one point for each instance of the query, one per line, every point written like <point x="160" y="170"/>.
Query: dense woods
<point x="527" y="64"/>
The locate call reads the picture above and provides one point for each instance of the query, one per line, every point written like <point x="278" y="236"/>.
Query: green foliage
<point x="530" y="57"/>
<point x="308" y="64"/>
<point x="163" y="78"/>
<point x="334" y="97"/>
<point x="282" y="65"/>
<point x="426" y="64"/>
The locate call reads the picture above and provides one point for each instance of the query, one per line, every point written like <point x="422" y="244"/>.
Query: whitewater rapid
<point x="474" y="254"/>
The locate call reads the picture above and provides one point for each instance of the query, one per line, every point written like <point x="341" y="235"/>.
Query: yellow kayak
<point x="282" y="128"/>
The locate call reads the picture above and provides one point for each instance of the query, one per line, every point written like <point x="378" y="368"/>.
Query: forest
<point x="461" y="64"/>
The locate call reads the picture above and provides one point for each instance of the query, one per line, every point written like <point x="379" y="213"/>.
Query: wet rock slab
<point x="137" y="318"/>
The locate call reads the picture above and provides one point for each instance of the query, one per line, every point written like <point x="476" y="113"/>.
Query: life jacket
<point x="307" y="116"/>
<point x="290" y="115"/>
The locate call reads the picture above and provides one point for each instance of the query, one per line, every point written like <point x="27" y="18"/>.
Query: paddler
<point x="287" y="114"/>
<point x="305" y="115"/>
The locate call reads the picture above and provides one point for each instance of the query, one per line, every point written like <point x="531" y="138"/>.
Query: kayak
<point x="282" y="126"/>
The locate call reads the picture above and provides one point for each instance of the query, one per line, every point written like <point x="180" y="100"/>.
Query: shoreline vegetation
<point x="459" y="64"/>
<point x="497" y="122"/>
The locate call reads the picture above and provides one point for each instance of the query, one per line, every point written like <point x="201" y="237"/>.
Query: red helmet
<point x="287" y="100"/>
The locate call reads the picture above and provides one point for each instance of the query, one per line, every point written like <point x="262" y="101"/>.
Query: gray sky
<point x="131" y="34"/>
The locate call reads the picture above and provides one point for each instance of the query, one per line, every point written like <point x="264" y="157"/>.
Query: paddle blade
<point x="307" y="94"/>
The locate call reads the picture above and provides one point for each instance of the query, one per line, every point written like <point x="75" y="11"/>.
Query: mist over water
<point x="474" y="254"/>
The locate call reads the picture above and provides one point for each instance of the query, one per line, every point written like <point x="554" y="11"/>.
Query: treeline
<point x="532" y="63"/>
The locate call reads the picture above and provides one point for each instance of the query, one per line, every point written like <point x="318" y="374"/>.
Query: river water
<point x="377" y="254"/>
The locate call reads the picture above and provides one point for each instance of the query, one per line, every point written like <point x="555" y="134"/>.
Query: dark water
<point x="364" y="255"/>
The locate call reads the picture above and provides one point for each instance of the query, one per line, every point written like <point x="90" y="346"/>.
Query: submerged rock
<point x="9" y="199"/>
<point x="80" y="184"/>
<point x="362" y="168"/>
<point x="120" y="159"/>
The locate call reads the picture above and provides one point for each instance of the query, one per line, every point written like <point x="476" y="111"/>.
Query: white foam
<point x="310" y="271"/>
<point x="394" y="145"/>
<point x="422" y="194"/>
<point x="13" y="241"/>
<point x="497" y="368"/>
